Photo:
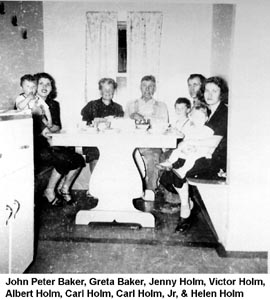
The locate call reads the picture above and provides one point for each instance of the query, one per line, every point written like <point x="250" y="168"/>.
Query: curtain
<point x="101" y="50"/>
<point x="144" y="30"/>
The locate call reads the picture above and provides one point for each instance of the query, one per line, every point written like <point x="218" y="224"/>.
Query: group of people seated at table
<point x="201" y="124"/>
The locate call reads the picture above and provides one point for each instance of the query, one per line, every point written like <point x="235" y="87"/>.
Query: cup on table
<point x="104" y="125"/>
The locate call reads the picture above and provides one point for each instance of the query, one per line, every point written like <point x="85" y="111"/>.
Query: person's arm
<point x="119" y="111"/>
<point x="54" y="128"/>
<point x="54" y="109"/>
<point x="219" y="122"/>
<point x="47" y="114"/>
<point x="22" y="102"/>
<point x="136" y="116"/>
<point x="166" y="113"/>
<point x="128" y="110"/>
<point x="162" y="112"/>
<point x="132" y="111"/>
<point x="87" y="113"/>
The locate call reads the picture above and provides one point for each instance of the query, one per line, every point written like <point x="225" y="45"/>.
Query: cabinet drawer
<point x="5" y="216"/>
<point x="17" y="221"/>
<point x="22" y="133"/>
<point x="16" y="148"/>
<point x="15" y="160"/>
<point x="22" y="225"/>
<point x="16" y="134"/>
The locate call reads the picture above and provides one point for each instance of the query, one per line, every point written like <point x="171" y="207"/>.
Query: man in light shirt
<point x="147" y="108"/>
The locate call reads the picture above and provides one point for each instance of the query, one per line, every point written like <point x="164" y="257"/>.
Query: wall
<point x="19" y="56"/>
<point x="184" y="27"/>
<point x="188" y="47"/>
<point x="222" y="39"/>
<point x="249" y="123"/>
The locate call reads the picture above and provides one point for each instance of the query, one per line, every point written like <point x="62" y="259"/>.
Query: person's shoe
<point x="166" y="166"/>
<point x="178" y="173"/>
<point x="71" y="202"/>
<point x="52" y="199"/>
<point x="65" y="195"/>
<point x="170" y="209"/>
<point x="89" y="195"/>
<point x="56" y="202"/>
<point x="186" y="209"/>
<point x="148" y="195"/>
<point x="183" y="225"/>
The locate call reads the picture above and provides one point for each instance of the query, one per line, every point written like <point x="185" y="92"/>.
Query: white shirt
<point x="37" y="101"/>
<point x="197" y="133"/>
<point x="151" y="109"/>
<point x="181" y="124"/>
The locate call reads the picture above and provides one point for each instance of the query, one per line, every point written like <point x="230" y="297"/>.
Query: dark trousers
<point x="203" y="168"/>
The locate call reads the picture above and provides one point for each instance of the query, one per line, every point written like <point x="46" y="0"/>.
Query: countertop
<point x="7" y="115"/>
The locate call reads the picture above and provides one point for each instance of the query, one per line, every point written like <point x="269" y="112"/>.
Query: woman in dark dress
<point x="216" y="96"/>
<point x="101" y="108"/>
<point x="66" y="162"/>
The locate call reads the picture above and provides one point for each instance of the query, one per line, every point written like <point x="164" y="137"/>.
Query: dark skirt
<point x="91" y="153"/>
<point x="63" y="159"/>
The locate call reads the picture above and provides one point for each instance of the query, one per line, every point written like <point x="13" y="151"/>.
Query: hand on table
<point x="136" y="116"/>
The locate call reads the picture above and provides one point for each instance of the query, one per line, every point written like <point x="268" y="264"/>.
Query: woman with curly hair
<point x="216" y="98"/>
<point x="66" y="162"/>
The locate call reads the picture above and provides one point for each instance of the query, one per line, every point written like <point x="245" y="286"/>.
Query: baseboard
<point x="222" y="252"/>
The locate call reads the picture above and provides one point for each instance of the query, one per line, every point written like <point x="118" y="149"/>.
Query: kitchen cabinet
<point x="17" y="193"/>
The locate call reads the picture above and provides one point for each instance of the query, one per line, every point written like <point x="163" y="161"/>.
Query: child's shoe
<point x="166" y="165"/>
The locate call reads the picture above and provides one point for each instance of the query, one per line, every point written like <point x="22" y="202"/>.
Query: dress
<point x="203" y="167"/>
<point x="63" y="159"/>
<point x="97" y="109"/>
<point x="191" y="154"/>
<point x="219" y="123"/>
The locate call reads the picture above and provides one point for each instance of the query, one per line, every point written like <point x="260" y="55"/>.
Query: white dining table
<point x="116" y="180"/>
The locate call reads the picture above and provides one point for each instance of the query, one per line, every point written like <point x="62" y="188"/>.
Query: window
<point x="122" y="47"/>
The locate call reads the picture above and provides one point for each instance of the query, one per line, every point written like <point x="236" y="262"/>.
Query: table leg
<point x="115" y="182"/>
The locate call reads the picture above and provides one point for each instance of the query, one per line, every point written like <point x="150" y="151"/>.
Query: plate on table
<point x="89" y="129"/>
<point x="109" y="130"/>
<point x="142" y="126"/>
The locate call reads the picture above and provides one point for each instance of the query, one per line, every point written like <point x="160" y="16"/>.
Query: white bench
<point x="213" y="194"/>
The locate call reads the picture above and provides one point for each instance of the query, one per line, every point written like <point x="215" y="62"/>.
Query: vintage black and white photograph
<point x="134" y="137"/>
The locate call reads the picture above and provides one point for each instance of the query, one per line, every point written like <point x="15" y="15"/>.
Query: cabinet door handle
<point x="18" y="207"/>
<point x="25" y="147"/>
<point x="10" y="213"/>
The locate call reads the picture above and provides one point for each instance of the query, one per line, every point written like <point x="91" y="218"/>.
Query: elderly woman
<point x="66" y="162"/>
<point x="100" y="108"/>
<point x="216" y="96"/>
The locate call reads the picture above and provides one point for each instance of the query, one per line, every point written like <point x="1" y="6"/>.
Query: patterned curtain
<point x="144" y="30"/>
<point x="101" y="50"/>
